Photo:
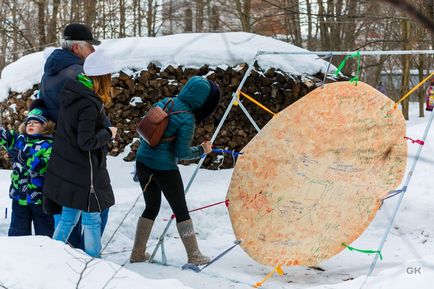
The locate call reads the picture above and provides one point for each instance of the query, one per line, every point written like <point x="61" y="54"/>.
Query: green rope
<point x="364" y="251"/>
<point x="343" y="63"/>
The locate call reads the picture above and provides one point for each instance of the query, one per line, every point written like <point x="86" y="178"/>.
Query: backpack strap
<point x="166" y="105"/>
<point x="171" y="138"/>
<point x="180" y="111"/>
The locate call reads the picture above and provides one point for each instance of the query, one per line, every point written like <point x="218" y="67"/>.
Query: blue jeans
<point x="24" y="216"/>
<point x="76" y="237"/>
<point x="92" y="229"/>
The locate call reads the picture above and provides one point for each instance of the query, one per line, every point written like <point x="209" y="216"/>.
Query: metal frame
<point x="235" y="99"/>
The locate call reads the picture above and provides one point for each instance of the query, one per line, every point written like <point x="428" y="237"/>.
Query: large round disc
<point x="314" y="176"/>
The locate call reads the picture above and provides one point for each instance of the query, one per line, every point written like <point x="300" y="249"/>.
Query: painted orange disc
<point x="314" y="176"/>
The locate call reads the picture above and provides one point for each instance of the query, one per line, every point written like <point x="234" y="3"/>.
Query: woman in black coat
<point x="77" y="177"/>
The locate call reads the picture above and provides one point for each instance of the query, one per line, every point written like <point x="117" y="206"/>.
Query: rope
<point x="364" y="251"/>
<point x="226" y="202"/>
<point x="257" y="103"/>
<point x="122" y="221"/>
<point x="233" y="153"/>
<point x="343" y="63"/>
<point x="418" y="141"/>
<point x="126" y="215"/>
<point x="413" y="89"/>
<point x="391" y="194"/>
<point x="277" y="269"/>
<point x="237" y="242"/>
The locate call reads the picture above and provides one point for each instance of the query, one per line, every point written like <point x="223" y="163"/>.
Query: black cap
<point x="77" y="31"/>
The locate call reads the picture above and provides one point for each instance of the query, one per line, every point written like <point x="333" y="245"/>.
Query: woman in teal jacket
<point x="158" y="171"/>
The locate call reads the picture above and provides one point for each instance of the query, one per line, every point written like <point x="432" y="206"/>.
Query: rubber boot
<point x="188" y="237"/>
<point x="143" y="230"/>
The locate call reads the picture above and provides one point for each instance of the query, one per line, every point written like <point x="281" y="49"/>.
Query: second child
<point x="29" y="150"/>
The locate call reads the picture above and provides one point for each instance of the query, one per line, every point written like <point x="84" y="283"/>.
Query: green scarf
<point x="85" y="80"/>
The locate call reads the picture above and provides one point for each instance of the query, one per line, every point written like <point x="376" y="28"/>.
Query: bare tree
<point x="244" y="12"/>
<point x="122" y="18"/>
<point x="150" y="18"/>
<point x="413" y="12"/>
<point x="75" y="10"/>
<point x="89" y="12"/>
<point x="188" y="20"/>
<point x="406" y="34"/>
<point x="52" y="27"/>
<point x="199" y="15"/>
<point x="41" y="21"/>
<point x="214" y="21"/>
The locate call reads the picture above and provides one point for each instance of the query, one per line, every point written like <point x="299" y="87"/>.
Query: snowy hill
<point x="31" y="262"/>
<point x="189" y="50"/>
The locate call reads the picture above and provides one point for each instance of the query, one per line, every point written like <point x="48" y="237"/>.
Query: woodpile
<point x="132" y="95"/>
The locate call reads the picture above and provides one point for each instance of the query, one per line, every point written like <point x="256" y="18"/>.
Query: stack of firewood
<point x="134" y="93"/>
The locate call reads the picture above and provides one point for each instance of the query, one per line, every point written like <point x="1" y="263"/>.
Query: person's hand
<point x="114" y="130"/>
<point x="17" y="156"/>
<point x="207" y="147"/>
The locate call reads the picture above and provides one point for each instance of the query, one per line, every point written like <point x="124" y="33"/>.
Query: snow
<point x="62" y="266"/>
<point x="38" y="262"/>
<point x="189" y="50"/>
<point x="135" y="101"/>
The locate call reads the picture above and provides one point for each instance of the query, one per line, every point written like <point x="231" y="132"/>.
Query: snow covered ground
<point x="38" y="262"/>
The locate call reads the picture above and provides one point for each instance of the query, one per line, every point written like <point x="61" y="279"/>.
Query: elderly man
<point x="63" y="64"/>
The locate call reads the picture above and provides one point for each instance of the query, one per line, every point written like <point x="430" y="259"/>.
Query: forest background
<point x="316" y="25"/>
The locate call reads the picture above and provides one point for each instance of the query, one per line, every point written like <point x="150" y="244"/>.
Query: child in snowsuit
<point x="29" y="151"/>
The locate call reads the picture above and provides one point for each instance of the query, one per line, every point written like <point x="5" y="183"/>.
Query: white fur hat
<point x="96" y="64"/>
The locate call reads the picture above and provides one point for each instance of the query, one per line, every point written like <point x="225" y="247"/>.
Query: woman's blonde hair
<point x="102" y="85"/>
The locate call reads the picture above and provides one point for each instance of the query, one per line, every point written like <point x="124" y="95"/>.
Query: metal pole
<point x="344" y="53"/>
<point x="249" y="116"/>
<point x="327" y="71"/>
<point x="199" y="165"/>
<point x="234" y="98"/>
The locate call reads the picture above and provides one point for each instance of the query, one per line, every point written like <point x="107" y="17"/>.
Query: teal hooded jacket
<point x="165" y="156"/>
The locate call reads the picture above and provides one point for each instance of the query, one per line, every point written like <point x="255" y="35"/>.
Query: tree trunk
<point x="41" y="22"/>
<point x="406" y="32"/>
<point x="75" y="11"/>
<point x="322" y="26"/>
<point x="122" y="18"/>
<point x="89" y="12"/>
<point x="243" y="9"/>
<point x="199" y="15"/>
<point x="170" y="15"/>
<point x="15" y="31"/>
<point x="52" y="28"/>
<point x="135" y="18"/>
<point x="310" y="45"/>
<point x="349" y="29"/>
<point x="103" y="20"/>
<point x="215" y="21"/>
<point x="3" y="43"/>
<point x="295" y="23"/>
<point x="149" y="17"/>
<point x="188" y="20"/>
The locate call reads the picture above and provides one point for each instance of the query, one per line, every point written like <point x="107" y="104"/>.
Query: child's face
<point x="33" y="127"/>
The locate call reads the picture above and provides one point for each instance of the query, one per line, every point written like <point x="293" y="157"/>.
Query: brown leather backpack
<point x="153" y="125"/>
